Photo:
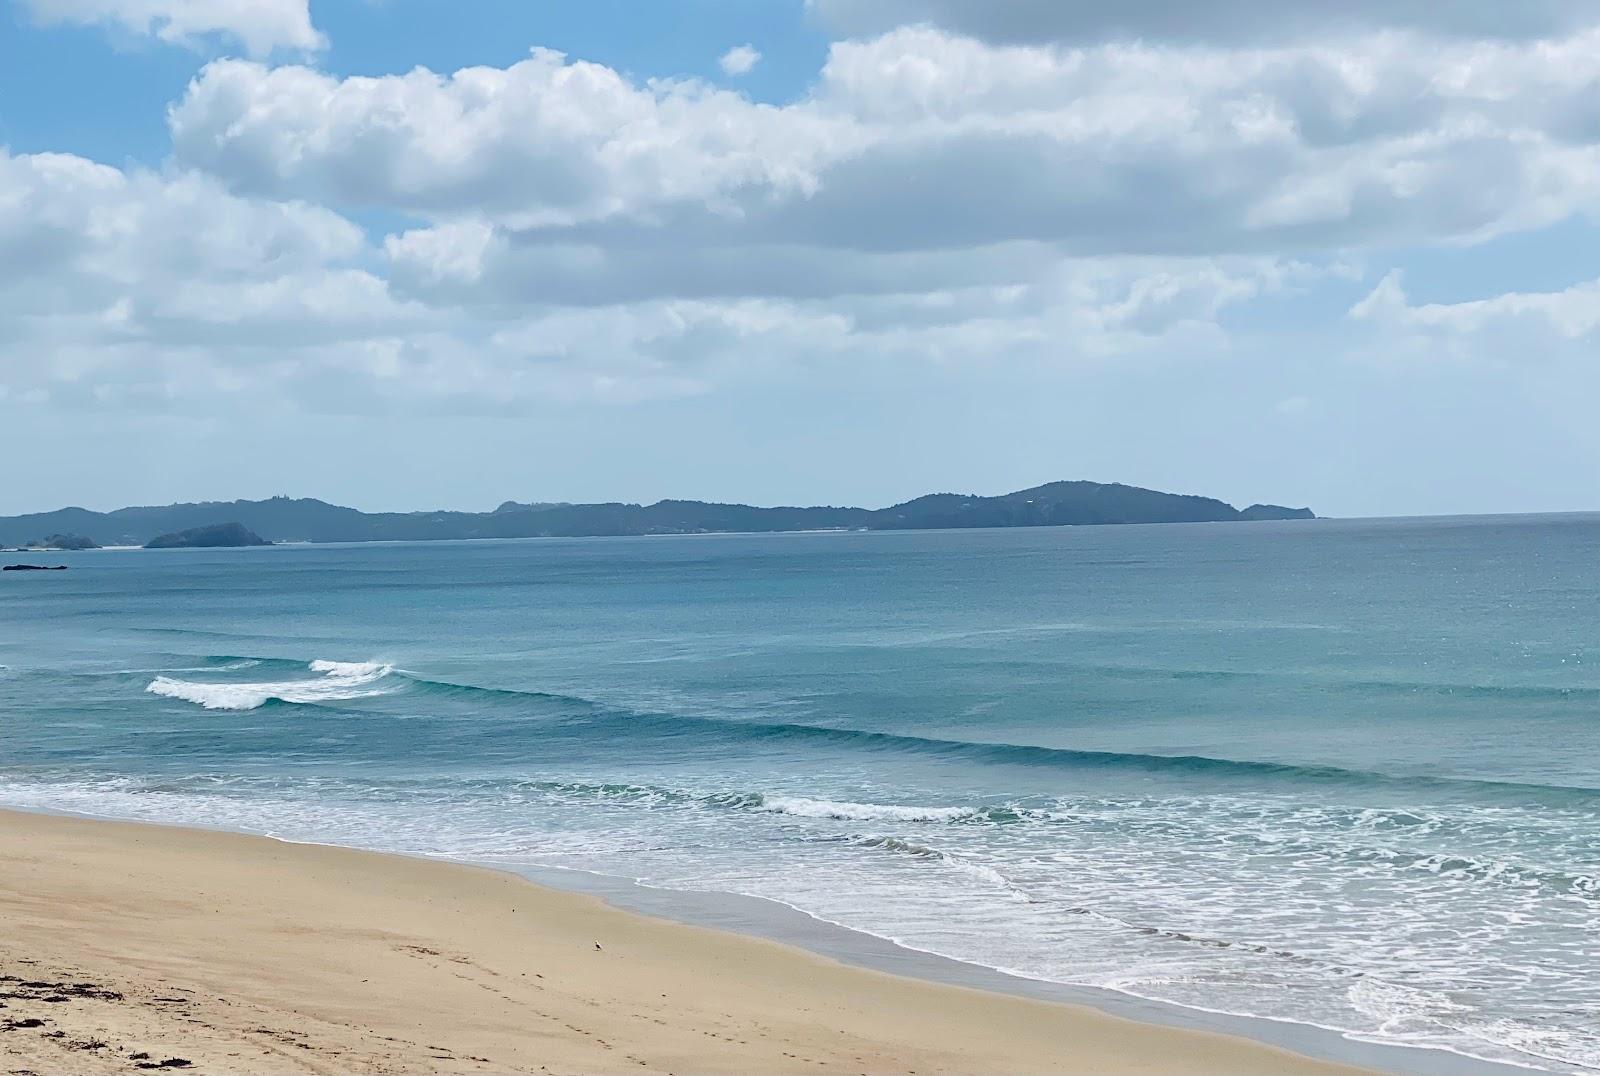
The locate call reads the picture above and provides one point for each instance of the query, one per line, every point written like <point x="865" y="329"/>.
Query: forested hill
<point x="284" y="519"/>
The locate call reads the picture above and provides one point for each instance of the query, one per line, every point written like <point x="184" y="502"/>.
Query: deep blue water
<point x="1345" y="773"/>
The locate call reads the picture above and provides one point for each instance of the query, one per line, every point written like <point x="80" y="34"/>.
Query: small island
<point x="54" y="544"/>
<point x="1275" y="511"/>
<point x="216" y="536"/>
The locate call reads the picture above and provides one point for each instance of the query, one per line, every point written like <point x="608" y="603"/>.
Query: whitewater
<point x="340" y="681"/>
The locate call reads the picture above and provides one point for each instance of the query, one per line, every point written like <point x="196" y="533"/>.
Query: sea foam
<point x="340" y="680"/>
<point x="803" y="807"/>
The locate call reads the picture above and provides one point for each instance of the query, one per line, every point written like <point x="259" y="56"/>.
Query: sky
<point x="403" y="254"/>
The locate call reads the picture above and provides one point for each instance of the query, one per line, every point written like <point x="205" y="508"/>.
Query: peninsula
<point x="284" y="519"/>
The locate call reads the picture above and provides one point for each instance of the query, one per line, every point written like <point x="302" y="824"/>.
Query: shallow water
<point x="1341" y="773"/>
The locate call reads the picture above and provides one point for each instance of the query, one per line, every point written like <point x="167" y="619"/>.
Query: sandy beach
<point x="136" y="948"/>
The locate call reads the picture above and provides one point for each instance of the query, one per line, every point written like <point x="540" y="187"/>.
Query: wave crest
<point x="340" y="680"/>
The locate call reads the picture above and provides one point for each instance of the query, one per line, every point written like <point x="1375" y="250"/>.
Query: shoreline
<point x="774" y="920"/>
<point x="243" y="954"/>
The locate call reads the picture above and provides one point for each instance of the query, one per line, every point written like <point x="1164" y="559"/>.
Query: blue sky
<point x="404" y="254"/>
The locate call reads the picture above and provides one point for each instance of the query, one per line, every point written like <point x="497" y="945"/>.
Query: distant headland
<point x="285" y="519"/>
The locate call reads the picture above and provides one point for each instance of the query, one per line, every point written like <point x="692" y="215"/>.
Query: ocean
<point x="1344" y="774"/>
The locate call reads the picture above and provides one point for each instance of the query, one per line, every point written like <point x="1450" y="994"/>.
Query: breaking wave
<point x="339" y="680"/>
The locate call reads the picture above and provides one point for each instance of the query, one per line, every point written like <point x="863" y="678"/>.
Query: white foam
<point x="802" y="807"/>
<point x="340" y="680"/>
<point x="351" y="668"/>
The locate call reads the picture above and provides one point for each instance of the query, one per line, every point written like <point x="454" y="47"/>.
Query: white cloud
<point x="1572" y="314"/>
<point x="90" y="232"/>
<point x="155" y="288"/>
<point x="260" y="25"/>
<point x="920" y="140"/>
<point x="739" y="60"/>
<point x="165" y="292"/>
<point x="544" y="141"/>
<point x="1132" y="148"/>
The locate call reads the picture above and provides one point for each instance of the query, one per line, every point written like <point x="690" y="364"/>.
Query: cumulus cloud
<point x="150" y="291"/>
<point x="1022" y="21"/>
<point x="151" y="286"/>
<point x="1145" y="148"/>
<point x="739" y="60"/>
<point x="260" y="25"/>
<point x="93" y="233"/>
<point x="543" y="141"/>
<point x="921" y="140"/>
<point x="155" y="291"/>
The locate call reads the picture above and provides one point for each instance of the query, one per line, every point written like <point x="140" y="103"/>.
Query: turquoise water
<point x="1344" y="773"/>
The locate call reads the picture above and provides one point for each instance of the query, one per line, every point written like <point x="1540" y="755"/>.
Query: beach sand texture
<point x="132" y="948"/>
